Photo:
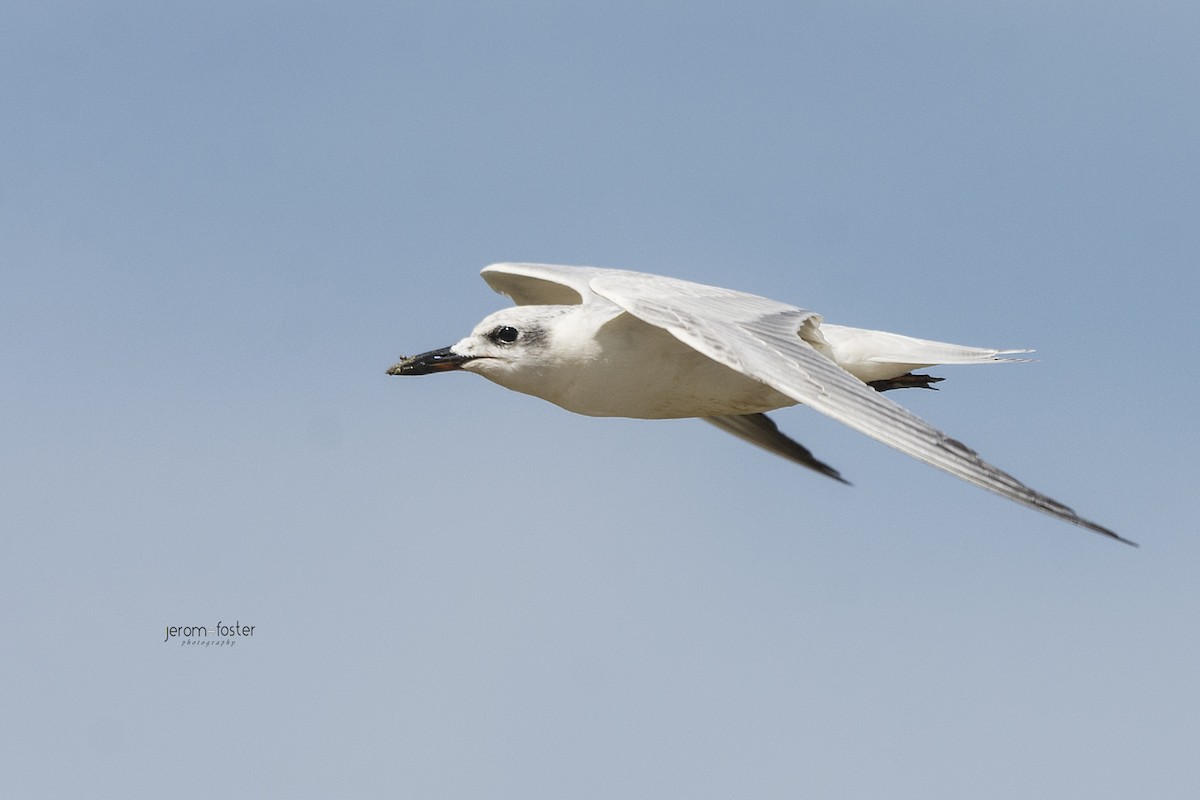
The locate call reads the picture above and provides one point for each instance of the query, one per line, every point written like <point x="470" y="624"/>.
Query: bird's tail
<point x="879" y="355"/>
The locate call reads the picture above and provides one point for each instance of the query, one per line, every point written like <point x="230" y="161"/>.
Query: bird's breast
<point x="640" y="371"/>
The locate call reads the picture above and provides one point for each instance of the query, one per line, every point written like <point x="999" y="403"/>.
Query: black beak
<point x="434" y="361"/>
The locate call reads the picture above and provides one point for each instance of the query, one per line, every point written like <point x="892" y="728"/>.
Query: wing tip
<point x="1114" y="535"/>
<point x="1098" y="528"/>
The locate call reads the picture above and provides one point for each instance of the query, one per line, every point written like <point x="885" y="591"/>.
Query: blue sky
<point x="221" y="223"/>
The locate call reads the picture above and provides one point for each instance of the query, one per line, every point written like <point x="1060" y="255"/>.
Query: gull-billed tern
<point x="615" y="343"/>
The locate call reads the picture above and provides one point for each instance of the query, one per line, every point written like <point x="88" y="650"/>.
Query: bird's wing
<point x="761" y="430"/>
<point x="778" y="345"/>
<point x="544" y="284"/>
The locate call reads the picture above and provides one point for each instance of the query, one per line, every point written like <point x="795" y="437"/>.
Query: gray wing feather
<point x="761" y="430"/>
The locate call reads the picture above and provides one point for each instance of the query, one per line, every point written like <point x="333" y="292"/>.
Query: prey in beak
<point x="443" y="360"/>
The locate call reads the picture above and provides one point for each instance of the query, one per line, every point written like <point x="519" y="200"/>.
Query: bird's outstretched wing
<point x="779" y="345"/>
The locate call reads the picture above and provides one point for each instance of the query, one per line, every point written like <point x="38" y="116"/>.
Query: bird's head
<point x="515" y="347"/>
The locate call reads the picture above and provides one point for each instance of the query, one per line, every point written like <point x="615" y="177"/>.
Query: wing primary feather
<point x="761" y="430"/>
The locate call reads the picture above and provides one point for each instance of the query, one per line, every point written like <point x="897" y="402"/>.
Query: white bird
<point x="616" y="343"/>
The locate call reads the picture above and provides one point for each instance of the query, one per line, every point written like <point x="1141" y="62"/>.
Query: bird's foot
<point x="909" y="381"/>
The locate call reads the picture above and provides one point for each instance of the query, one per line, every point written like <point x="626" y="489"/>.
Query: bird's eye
<point x="505" y="333"/>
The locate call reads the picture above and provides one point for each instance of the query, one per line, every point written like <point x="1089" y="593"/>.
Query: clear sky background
<point x="220" y="223"/>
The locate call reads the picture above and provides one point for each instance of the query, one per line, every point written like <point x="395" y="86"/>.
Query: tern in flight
<point x="616" y="343"/>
